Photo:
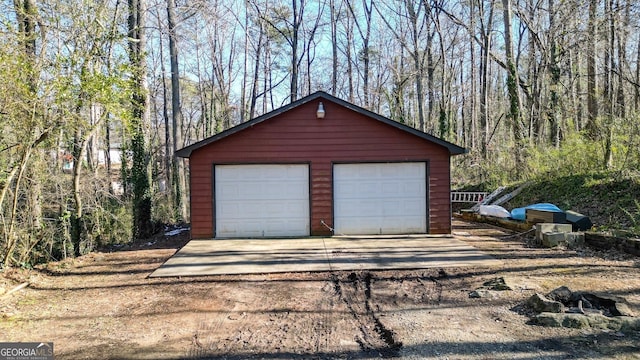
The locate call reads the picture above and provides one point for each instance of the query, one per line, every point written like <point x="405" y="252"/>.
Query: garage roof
<point x="453" y="149"/>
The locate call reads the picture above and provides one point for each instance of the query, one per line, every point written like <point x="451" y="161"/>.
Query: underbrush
<point x="573" y="176"/>
<point x="608" y="198"/>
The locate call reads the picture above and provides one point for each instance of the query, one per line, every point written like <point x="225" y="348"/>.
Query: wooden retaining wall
<point x="594" y="239"/>
<point x="608" y="242"/>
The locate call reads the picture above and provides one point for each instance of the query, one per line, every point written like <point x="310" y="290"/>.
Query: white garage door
<point x="261" y="200"/>
<point x="387" y="198"/>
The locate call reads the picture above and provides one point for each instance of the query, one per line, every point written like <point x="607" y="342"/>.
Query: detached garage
<point x="299" y="171"/>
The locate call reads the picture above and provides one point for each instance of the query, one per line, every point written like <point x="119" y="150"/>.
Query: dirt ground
<point x="103" y="306"/>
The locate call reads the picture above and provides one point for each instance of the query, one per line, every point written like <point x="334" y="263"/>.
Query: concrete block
<point x="574" y="239"/>
<point x="552" y="239"/>
<point x="551" y="227"/>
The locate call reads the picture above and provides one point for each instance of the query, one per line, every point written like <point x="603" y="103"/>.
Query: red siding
<point x="296" y="136"/>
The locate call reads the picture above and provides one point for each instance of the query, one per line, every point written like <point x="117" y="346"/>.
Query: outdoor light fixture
<point x="320" y="111"/>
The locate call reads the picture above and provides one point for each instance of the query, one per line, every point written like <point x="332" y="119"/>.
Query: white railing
<point x="468" y="196"/>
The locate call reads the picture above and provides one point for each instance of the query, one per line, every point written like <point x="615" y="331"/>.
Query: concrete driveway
<point x="257" y="256"/>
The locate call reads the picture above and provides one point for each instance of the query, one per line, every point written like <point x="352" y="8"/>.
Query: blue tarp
<point x="520" y="213"/>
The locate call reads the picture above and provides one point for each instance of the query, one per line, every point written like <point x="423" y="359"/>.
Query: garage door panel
<point x="391" y="207"/>
<point x="365" y="187"/>
<point x="230" y="228"/>
<point x="385" y="198"/>
<point x="249" y="191"/>
<point x="391" y="188"/>
<point x="231" y="191"/>
<point x="413" y="207"/>
<point x="228" y="208"/>
<point x="413" y="188"/>
<point x="262" y="200"/>
<point x="363" y="207"/>
<point x="292" y="206"/>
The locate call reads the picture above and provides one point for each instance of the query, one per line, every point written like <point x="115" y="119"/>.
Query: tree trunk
<point x="10" y="239"/>
<point x="256" y="70"/>
<point x="431" y="69"/>
<point x="485" y="82"/>
<point x="366" y="56"/>
<point x="636" y="89"/>
<point x="178" y="171"/>
<point x="350" y="64"/>
<point x="334" y="46"/>
<point x="470" y="134"/>
<point x="512" y="88"/>
<point x="295" y="33"/>
<point x="26" y="15"/>
<point x="417" y="63"/>
<point x="554" y="75"/>
<point x="592" y="100"/>
<point x="365" y="35"/>
<point x="576" y="93"/>
<point x="444" y="121"/>
<point x="533" y="102"/>
<point x="16" y="173"/>
<point x="245" y="65"/>
<point x="142" y="226"/>
<point x="620" y="106"/>
<point x="76" y="216"/>
<point x="608" y="83"/>
<point x="168" y="149"/>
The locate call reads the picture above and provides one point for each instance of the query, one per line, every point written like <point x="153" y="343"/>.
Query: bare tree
<point x="142" y="226"/>
<point x="364" y="30"/>
<point x="486" y="30"/>
<point x="554" y="76"/>
<point x="417" y="19"/>
<point x="334" y="12"/>
<point x="512" y="87"/>
<point x="177" y="165"/>
<point x="592" y="96"/>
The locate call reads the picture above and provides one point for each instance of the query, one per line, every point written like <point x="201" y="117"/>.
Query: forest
<point x="96" y="96"/>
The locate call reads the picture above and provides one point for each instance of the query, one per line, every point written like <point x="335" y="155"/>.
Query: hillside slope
<point x="611" y="200"/>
